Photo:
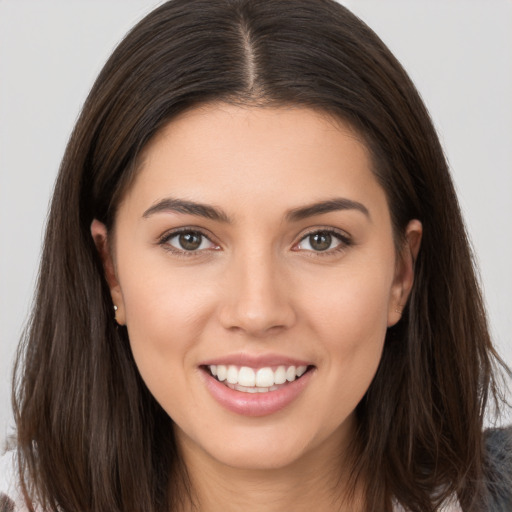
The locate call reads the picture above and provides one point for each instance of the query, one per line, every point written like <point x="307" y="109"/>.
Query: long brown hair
<point x="90" y="435"/>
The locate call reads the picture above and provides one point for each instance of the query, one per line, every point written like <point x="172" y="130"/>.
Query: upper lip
<point x="255" y="361"/>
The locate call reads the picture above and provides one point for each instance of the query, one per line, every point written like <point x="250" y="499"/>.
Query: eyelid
<point x="168" y="235"/>
<point x="344" y="238"/>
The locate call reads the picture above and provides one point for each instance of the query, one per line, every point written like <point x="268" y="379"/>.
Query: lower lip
<point x="256" y="404"/>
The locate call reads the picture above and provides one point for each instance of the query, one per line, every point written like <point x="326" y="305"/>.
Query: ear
<point x="404" y="273"/>
<point x="100" y="236"/>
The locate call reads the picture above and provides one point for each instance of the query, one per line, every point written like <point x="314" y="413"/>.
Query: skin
<point x="258" y="287"/>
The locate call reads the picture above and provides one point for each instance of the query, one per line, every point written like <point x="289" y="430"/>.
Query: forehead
<point x="255" y="156"/>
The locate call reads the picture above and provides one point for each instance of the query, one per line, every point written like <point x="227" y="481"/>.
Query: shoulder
<point x="450" y="506"/>
<point x="497" y="474"/>
<point x="10" y="500"/>
<point x="498" y="469"/>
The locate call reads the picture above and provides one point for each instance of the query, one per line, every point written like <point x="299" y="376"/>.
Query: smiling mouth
<point x="260" y="380"/>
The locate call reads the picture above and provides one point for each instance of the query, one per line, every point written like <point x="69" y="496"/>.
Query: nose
<point x="257" y="300"/>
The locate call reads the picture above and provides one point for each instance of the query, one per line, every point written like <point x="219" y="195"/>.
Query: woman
<point x="256" y="291"/>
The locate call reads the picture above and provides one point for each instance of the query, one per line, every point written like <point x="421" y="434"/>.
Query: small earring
<point x="398" y="309"/>
<point x="115" y="317"/>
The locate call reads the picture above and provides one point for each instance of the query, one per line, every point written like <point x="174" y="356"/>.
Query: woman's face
<point x="256" y="245"/>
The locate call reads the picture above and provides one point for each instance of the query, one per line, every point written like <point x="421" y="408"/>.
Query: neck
<point x="317" y="481"/>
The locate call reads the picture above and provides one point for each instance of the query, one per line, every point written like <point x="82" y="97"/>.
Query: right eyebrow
<point x="170" y="204"/>
<point x="331" y="205"/>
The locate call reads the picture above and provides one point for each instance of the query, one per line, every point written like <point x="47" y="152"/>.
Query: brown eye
<point x="320" y="241"/>
<point x="323" y="241"/>
<point x="190" y="241"/>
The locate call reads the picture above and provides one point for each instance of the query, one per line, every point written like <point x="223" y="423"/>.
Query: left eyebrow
<point x="170" y="204"/>
<point x="331" y="205"/>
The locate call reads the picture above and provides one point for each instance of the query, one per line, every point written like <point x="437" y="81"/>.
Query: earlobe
<point x="404" y="276"/>
<point x="99" y="234"/>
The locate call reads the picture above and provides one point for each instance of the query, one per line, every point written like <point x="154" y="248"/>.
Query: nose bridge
<point x="257" y="298"/>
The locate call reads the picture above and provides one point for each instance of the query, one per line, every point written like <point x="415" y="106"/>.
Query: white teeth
<point x="246" y="377"/>
<point x="264" y="378"/>
<point x="221" y="372"/>
<point x="290" y="373"/>
<point x="251" y="381"/>
<point x="280" y="375"/>
<point x="232" y="376"/>
<point x="301" y="370"/>
<point x="245" y="389"/>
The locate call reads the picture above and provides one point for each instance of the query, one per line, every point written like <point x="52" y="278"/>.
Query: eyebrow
<point x="331" y="205"/>
<point x="170" y="204"/>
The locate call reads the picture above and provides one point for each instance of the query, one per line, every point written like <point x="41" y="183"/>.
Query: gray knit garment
<point x="498" y="470"/>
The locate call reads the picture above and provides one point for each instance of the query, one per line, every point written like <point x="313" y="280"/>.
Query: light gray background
<point x="459" y="53"/>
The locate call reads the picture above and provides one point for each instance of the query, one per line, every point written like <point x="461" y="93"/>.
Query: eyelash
<point x="166" y="237"/>
<point x="345" y="242"/>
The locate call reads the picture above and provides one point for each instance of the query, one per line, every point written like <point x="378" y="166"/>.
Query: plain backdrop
<point x="458" y="52"/>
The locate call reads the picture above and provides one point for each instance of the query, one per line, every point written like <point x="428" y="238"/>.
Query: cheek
<point x="162" y="299"/>
<point x="348" y="317"/>
<point x="348" y="306"/>
<point x="165" y="315"/>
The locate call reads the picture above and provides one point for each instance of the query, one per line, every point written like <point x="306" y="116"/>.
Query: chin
<point x="262" y="447"/>
<point x="257" y="458"/>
